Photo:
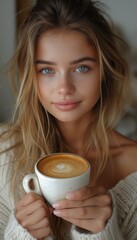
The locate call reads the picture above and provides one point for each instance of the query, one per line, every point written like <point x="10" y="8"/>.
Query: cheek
<point x="43" y="93"/>
<point x="91" y="87"/>
<point x="43" y="87"/>
<point x="93" y="92"/>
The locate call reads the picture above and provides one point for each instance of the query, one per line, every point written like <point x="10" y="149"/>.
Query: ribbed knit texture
<point x="121" y="226"/>
<point x="123" y="222"/>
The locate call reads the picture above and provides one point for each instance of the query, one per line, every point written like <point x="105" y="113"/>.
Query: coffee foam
<point x="62" y="166"/>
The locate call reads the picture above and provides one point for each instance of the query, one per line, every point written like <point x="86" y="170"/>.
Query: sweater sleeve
<point x="111" y="231"/>
<point x="125" y="193"/>
<point x="10" y="229"/>
<point x="123" y="223"/>
<point x="15" y="231"/>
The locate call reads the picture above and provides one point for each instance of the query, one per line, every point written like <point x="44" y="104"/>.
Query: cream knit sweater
<point x="121" y="226"/>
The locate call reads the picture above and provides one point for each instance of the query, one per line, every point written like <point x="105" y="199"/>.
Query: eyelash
<point x="46" y="68"/>
<point x="51" y="71"/>
<point x="84" y="66"/>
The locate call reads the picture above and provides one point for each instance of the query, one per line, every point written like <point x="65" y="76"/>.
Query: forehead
<point x="64" y="42"/>
<point x="59" y="33"/>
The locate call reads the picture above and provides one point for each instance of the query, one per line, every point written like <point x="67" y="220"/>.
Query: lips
<point x="66" y="105"/>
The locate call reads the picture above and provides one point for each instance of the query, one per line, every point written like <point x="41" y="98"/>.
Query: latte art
<point x="62" y="166"/>
<point x="57" y="169"/>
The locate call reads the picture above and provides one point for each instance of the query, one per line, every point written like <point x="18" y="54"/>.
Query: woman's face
<point x="68" y="75"/>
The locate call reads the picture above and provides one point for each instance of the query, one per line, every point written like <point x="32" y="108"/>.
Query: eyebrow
<point x="83" y="59"/>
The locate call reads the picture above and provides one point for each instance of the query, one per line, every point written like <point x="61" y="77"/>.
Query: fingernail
<point x="57" y="213"/>
<point x="56" y="205"/>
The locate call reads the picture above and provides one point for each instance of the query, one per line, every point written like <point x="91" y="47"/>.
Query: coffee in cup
<point x="57" y="174"/>
<point x="62" y="166"/>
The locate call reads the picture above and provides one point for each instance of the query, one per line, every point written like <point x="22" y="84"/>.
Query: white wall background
<point x="124" y="14"/>
<point x="7" y="47"/>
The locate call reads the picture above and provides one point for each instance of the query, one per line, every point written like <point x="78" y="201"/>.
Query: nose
<point x="65" y="85"/>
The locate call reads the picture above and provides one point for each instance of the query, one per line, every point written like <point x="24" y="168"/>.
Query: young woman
<point x="72" y="87"/>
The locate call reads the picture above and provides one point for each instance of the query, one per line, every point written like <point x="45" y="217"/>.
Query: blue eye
<point x="47" y="71"/>
<point x="82" y="69"/>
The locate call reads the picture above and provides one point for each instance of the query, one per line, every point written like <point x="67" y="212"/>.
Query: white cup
<point x="56" y="188"/>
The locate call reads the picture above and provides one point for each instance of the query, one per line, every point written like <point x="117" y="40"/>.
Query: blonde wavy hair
<point x="34" y="130"/>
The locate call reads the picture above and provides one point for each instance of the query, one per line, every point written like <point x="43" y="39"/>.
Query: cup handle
<point x="26" y="184"/>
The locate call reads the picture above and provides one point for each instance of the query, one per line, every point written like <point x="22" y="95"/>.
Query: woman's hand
<point x="33" y="214"/>
<point x="88" y="208"/>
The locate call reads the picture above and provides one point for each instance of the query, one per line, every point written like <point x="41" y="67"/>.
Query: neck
<point x="73" y="134"/>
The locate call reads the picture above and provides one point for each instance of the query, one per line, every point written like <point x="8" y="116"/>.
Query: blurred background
<point x="123" y="14"/>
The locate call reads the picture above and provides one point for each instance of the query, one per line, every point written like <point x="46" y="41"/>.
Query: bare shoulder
<point x="124" y="154"/>
<point x="122" y="160"/>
